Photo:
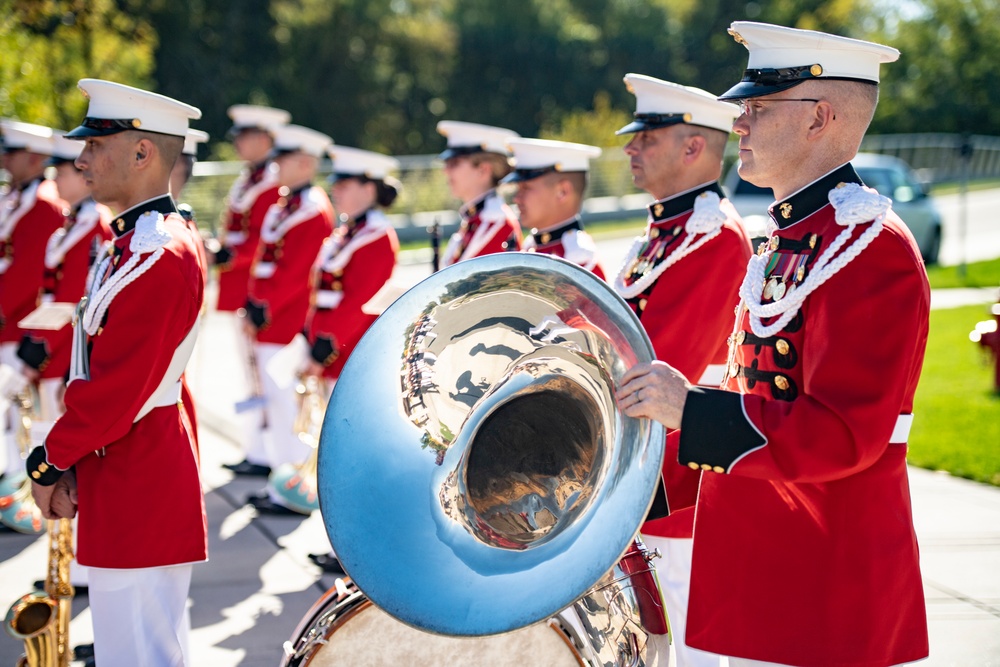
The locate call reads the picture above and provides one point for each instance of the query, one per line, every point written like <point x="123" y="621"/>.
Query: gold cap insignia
<point x="786" y="210"/>
<point x="136" y="122"/>
<point x="687" y="118"/>
<point x="816" y="70"/>
<point x="738" y="37"/>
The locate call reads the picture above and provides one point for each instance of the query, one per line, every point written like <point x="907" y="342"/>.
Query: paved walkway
<point x="259" y="583"/>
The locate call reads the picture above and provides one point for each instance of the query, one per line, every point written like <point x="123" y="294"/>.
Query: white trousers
<point x="13" y="461"/>
<point x="140" y="616"/>
<point x="280" y="444"/>
<point x="673" y="570"/>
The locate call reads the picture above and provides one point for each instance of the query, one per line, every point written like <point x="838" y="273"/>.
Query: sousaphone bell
<point x="475" y="474"/>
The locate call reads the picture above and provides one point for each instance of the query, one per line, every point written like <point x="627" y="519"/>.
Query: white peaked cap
<point x="252" y="115"/>
<point x="356" y="162"/>
<point x="531" y="154"/>
<point x="115" y="107"/>
<point x="782" y="57"/>
<point x="295" y="138"/>
<point x="31" y="137"/>
<point x="467" y="138"/>
<point x="192" y="139"/>
<point x="661" y="103"/>
<point x="65" y="149"/>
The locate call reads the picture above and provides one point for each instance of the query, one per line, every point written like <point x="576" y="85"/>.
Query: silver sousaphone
<point x="475" y="474"/>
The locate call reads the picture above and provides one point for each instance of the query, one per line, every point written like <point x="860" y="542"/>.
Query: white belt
<point x="901" y="432"/>
<point x="326" y="298"/>
<point x="713" y="376"/>
<point x="263" y="270"/>
<point x="168" y="392"/>
<point x="235" y="238"/>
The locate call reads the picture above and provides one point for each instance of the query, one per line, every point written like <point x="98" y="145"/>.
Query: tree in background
<point x="49" y="45"/>
<point x="946" y="79"/>
<point x="380" y="74"/>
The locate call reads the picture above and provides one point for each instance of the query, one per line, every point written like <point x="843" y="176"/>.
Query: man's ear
<point x="823" y="117"/>
<point x="144" y="152"/>
<point x="694" y="146"/>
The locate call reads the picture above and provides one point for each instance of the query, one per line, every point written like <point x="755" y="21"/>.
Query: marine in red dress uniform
<point x="475" y="161"/>
<point x="250" y="196"/>
<point x="142" y="521"/>
<point x="803" y="514"/>
<point x="29" y="213"/>
<point x="291" y="236"/>
<point x="354" y="263"/>
<point x="551" y="178"/>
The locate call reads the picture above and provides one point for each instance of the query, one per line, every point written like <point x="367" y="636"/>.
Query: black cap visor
<point x="460" y="151"/>
<point x="653" y="121"/>
<point x="519" y="175"/>
<point x="760" y="82"/>
<point x="102" y="127"/>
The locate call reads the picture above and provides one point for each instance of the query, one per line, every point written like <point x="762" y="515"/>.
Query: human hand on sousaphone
<point x="654" y="390"/>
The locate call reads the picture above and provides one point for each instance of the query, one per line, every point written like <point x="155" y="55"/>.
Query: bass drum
<point x="345" y="628"/>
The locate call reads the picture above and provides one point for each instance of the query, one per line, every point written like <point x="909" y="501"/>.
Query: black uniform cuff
<point x="324" y="351"/>
<point x="39" y="470"/>
<point x="715" y="431"/>
<point x="33" y="352"/>
<point x="257" y="312"/>
<point x="223" y="256"/>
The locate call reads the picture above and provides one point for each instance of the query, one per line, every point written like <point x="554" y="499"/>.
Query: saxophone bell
<point x="41" y="618"/>
<point x="296" y="484"/>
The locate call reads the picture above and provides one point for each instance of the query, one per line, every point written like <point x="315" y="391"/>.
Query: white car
<point x="889" y="175"/>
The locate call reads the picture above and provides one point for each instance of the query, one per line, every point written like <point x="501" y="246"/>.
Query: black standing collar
<point x="552" y="235"/>
<point x="124" y="223"/>
<point x="811" y="198"/>
<point x="476" y="206"/>
<point x="682" y="203"/>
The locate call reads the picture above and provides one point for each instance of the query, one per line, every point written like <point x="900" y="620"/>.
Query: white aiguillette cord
<point x="854" y="205"/>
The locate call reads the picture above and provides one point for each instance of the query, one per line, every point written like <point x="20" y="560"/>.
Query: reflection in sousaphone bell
<point x="475" y="474"/>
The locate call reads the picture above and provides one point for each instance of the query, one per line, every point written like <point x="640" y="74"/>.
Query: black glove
<point x="323" y="351"/>
<point x="223" y="256"/>
<point x="257" y="314"/>
<point x="34" y="353"/>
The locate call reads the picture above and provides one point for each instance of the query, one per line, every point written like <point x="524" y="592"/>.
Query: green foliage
<point x="380" y="74"/>
<point x="945" y="80"/>
<point x="955" y="426"/>
<point x="49" y="45"/>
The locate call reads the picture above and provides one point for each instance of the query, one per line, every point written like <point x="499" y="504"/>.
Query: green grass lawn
<point x="957" y="412"/>
<point x="977" y="274"/>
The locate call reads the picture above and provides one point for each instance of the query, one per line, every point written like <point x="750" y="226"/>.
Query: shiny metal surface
<point x="612" y="622"/>
<point x="475" y="475"/>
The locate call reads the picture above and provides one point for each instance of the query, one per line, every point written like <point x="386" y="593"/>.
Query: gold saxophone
<point x="41" y="618"/>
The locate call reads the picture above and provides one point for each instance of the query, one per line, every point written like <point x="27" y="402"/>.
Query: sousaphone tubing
<point x="475" y="473"/>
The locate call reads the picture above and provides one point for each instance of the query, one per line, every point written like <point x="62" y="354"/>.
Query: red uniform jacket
<point x="353" y="265"/>
<point x="140" y="503"/>
<point x="68" y="256"/>
<point x="249" y="199"/>
<point x="488" y="226"/>
<point x="28" y="217"/>
<point x="682" y="279"/>
<point x="291" y="236"/>
<point x="804" y="548"/>
<point x="568" y="241"/>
